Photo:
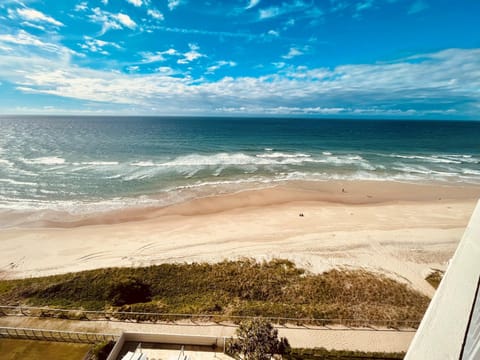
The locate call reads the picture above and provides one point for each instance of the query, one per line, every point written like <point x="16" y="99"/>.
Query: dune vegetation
<point x="434" y="278"/>
<point x="231" y="288"/>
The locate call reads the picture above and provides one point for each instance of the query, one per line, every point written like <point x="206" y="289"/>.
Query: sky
<point x="321" y="58"/>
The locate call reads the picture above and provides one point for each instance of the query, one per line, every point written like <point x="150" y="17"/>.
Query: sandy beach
<point x="401" y="230"/>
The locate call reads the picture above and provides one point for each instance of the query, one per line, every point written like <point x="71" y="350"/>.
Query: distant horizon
<point x="336" y="59"/>
<point x="246" y="116"/>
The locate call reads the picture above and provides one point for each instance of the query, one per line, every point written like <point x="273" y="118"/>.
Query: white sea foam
<point x="276" y="158"/>
<point x="46" y="160"/>
<point x="279" y="155"/>
<point x="143" y="163"/>
<point x="43" y="191"/>
<point x="112" y="177"/>
<point x="433" y="158"/>
<point x="6" y="162"/>
<point x="77" y="207"/>
<point x="218" y="171"/>
<point x="190" y="172"/>
<point x="347" y="160"/>
<point x="463" y="158"/>
<point x="100" y="163"/>
<point x="327" y="153"/>
<point x="16" y="182"/>
<point x="211" y="160"/>
<point x="413" y="169"/>
<point x="471" y="172"/>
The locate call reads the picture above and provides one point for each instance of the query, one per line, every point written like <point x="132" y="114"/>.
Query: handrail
<point x="80" y="314"/>
<point x="55" y="335"/>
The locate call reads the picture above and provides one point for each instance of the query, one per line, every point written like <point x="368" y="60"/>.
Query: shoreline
<point x="347" y="192"/>
<point x="398" y="229"/>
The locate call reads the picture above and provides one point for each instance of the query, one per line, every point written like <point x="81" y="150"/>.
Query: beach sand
<point x="398" y="229"/>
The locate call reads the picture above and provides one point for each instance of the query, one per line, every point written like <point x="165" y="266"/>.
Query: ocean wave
<point x="212" y="160"/>
<point x="419" y="169"/>
<point x="446" y="159"/>
<point x="215" y="164"/>
<point x="275" y="158"/>
<point x="46" y="160"/>
<point x="463" y="158"/>
<point x="280" y="155"/>
<point x="6" y="162"/>
<point x="209" y="186"/>
<point x="78" y="207"/>
<point x="99" y="163"/>
<point x="16" y="182"/>
<point x="339" y="160"/>
<point x="413" y="169"/>
<point x="471" y="172"/>
<point x="143" y="163"/>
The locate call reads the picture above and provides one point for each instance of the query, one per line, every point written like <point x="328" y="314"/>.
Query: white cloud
<point x="364" y="5"/>
<point x="443" y="83"/>
<point x="155" y="14"/>
<point x="166" y="70"/>
<point x="110" y="21"/>
<point x="37" y="16"/>
<point x="172" y="4"/>
<point x="126" y="20"/>
<point x="252" y="4"/>
<point x="289" y="23"/>
<point x="219" y="64"/>
<point x="25" y="38"/>
<point x="279" y="65"/>
<point x="136" y="3"/>
<point x="191" y="55"/>
<point x="150" y="57"/>
<point x="269" y="12"/>
<point x="35" y="26"/>
<point x="273" y="33"/>
<point x="171" y="52"/>
<point x="418" y="6"/>
<point x="97" y="45"/>
<point x="292" y="53"/>
<point x="83" y="6"/>
<point x="306" y="10"/>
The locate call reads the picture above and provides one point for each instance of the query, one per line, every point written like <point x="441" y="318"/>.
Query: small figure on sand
<point x="343" y="190"/>
<point x="301" y="215"/>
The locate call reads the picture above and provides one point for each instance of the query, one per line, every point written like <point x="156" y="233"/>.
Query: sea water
<point x="88" y="164"/>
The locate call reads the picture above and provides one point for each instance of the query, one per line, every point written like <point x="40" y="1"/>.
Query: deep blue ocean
<point x="82" y="164"/>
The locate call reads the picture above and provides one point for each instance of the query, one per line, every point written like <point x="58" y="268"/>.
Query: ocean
<point x="81" y="164"/>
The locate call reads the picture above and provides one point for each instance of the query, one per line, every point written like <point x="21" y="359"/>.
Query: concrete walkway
<point x="332" y="337"/>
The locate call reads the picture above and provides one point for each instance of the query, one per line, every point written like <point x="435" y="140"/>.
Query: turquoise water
<point x="82" y="164"/>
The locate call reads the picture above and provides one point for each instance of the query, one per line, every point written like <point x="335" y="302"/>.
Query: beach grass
<point x="434" y="278"/>
<point x="245" y="288"/>
<point x="324" y="354"/>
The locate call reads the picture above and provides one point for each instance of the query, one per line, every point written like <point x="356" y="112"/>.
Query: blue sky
<point x="367" y="58"/>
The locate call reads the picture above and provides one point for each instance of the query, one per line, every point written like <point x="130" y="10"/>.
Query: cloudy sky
<point x="366" y="58"/>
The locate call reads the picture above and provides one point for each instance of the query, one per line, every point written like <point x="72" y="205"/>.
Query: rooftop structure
<point x="149" y="346"/>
